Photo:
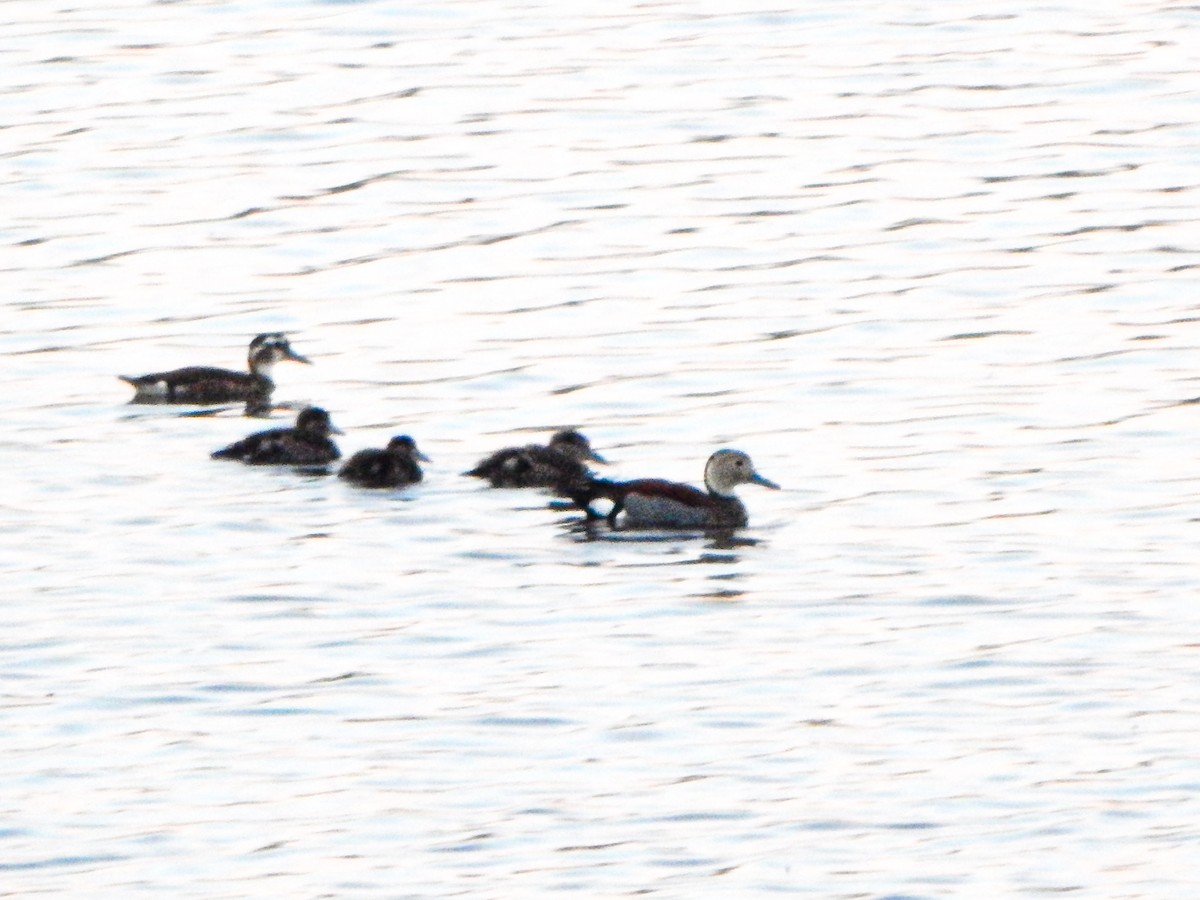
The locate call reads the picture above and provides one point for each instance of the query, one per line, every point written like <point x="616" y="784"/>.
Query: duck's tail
<point x="583" y="492"/>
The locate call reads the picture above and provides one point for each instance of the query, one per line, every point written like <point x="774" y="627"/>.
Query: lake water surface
<point x="934" y="266"/>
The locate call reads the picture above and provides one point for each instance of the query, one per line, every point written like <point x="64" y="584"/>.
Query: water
<point x="934" y="267"/>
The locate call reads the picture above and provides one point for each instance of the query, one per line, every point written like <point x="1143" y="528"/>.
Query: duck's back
<point x="531" y="466"/>
<point x="281" y="446"/>
<point x="199" y="384"/>
<point x="658" y="502"/>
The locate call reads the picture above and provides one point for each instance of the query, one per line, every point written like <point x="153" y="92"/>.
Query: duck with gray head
<point x="658" y="503"/>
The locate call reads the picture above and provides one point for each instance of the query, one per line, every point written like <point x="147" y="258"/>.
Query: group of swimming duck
<point x="561" y="466"/>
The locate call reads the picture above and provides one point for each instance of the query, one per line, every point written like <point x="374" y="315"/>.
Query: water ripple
<point x="933" y="269"/>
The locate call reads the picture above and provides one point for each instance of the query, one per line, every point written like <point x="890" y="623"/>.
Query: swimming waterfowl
<point x="394" y="466"/>
<point x="307" y="444"/>
<point x="208" y="384"/>
<point x="557" y="465"/>
<point x="656" y="502"/>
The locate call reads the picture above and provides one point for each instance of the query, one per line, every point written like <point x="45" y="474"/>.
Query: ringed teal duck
<point x="656" y="502"/>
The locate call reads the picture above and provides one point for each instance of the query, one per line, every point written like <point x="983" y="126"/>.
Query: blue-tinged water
<point x="933" y="266"/>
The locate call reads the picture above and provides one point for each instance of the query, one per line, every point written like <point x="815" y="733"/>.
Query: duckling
<point x="557" y="465"/>
<point x="207" y="385"/>
<point x="394" y="466"/>
<point x="307" y="444"/>
<point x="656" y="502"/>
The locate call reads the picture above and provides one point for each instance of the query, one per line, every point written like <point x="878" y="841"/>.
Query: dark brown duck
<point x="395" y="465"/>
<point x="306" y="444"/>
<point x="209" y="384"/>
<point x="558" y="465"/>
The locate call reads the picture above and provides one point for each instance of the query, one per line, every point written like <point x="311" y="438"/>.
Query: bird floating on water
<point x="656" y="502"/>
<point x="305" y="444"/>
<point x="559" y="465"/>
<point x="209" y="385"/>
<point x="396" y="465"/>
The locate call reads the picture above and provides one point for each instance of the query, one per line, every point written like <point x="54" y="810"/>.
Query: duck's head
<point x="268" y="349"/>
<point x="315" y="422"/>
<point x="726" y="469"/>
<point x="576" y="446"/>
<point x="403" y="445"/>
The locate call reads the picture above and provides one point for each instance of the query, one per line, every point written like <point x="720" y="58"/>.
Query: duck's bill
<point x="596" y="457"/>
<point x="765" y="482"/>
<point x="296" y="357"/>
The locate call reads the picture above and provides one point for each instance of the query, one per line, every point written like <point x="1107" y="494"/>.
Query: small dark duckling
<point x="307" y="444"/>
<point x="557" y="465"/>
<point x="656" y="502"/>
<point x="394" y="466"/>
<point x="208" y="384"/>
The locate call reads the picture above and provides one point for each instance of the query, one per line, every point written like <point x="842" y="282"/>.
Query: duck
<point x="306" y="444"/>
<point x="394" y="466"/>
<point x="657" y="502"/>
<point x="208" y="385"/>
<point x="558" y="465"/>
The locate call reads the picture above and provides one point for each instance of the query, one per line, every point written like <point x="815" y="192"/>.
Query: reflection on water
<point x="934" y="270"/>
